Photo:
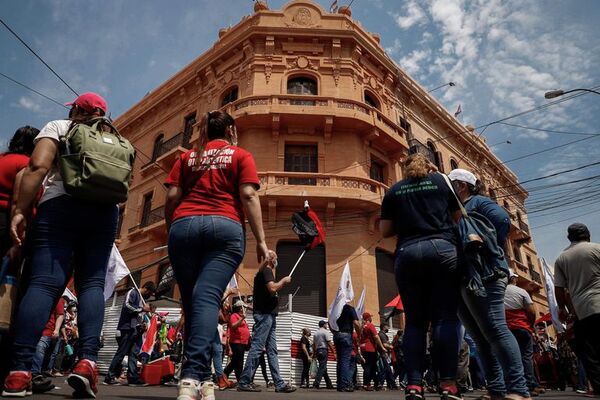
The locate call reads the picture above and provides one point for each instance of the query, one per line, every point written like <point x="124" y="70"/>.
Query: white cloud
<point x="28" y="104"/>
<point x="414" y="15"/>
<point x="394" y="49"/>
<point x="411" y="63"/>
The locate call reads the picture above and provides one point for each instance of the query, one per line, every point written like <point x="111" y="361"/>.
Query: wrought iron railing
<point x="535" y="275"/>
<point x="154" y="216"/>
<point x="181" y="139"/>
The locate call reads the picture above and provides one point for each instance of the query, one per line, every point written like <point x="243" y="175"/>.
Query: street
<point x="161" y="392"/>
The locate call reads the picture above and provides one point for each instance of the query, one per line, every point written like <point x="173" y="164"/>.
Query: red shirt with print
<point x="10" y="165"/>
<point x="59" y="310"/>
<point x="241" y="334"/>
<point x="367" y="340"/>
<point x="213" y="191"/>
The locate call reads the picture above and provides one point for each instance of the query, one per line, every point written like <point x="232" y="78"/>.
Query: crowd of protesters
<point x="468" y="325"/>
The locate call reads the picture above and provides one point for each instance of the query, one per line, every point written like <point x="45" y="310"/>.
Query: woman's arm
<point x="174" y="196"/>
<point x="251" y="203"/>
<point x="40" y="163"/>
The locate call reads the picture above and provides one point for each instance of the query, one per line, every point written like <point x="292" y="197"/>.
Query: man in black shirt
<point x="265" y="313"/>
<point x="386" y="374"/>
<point x="346" y="322"/>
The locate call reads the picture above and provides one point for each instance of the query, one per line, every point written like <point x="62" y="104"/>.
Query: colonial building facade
<point x="328" y="117"/>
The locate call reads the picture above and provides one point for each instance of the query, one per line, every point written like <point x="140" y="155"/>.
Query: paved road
<point x="63" y="391"/>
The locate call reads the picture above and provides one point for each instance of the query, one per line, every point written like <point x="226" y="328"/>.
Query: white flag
<point x="69" y="295"/>
<point x="233" y="283"/>
<point x="549" y="283"/>
<point x="360" y="307"/>
<point x="116" y="270"/>
<point x="345" y="293"/>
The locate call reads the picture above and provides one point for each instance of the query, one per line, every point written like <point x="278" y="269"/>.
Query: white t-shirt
<point x="53" y="184"/>
<point x="516" y="298"/>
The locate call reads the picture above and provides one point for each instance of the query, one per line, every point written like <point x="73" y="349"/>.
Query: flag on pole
<point x="233" y="283"/>
<point x="69" y="295"/>
<point x="458" y="111"/>
<point x="360" y="307"/>
<point x="334" y="6"/>
<point x="150" y="336"/>
<point x="345" y="293"/>
<point x="552" y="303"/>
<point x="115" y="271"/>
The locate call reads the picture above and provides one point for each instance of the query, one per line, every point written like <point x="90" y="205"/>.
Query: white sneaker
<point x="188" y="389"/>
<point x="207" y="390"/>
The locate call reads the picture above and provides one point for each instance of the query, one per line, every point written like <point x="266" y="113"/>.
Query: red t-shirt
<point x="367" y="341"/>
<point x="10" y="165"/>
<point x="241" y="334"/>
<point x="355" y="343"/>
<point x="51" y="324"/>
<point x="216" y="192"/>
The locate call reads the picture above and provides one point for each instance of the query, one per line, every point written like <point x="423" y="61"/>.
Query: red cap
<point x="89" y="102"/>
<point x="366" y="316"/>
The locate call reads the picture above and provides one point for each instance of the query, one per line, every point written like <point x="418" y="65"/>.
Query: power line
<point x="548" y="130"/>
<point x="548" y="149"/>
<point x="568" y="219"/>
<point x="38" y="57"/>
<point x="33" y="90"/>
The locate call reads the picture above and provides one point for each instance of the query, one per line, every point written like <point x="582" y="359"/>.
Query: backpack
<point x="95" y="164"/>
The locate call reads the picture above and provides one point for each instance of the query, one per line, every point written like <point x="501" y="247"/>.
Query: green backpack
<point x="95" y="164"/>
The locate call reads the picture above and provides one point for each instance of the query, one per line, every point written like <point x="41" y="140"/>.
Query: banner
<point x="360" y="307"/>
<point x="150" y="336"/>
<point x="115" y="271"/>
<point x="552" y="304"/>
<point x="345" y="293"/>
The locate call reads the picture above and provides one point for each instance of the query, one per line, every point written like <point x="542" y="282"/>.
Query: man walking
<point x="347" y="322"/>
<point x="385" y="372"/>
<point x="520" y="317"/>
<point x="321" y="345"/>
<point x="577" y="270"/>
<point x="369" y="344"/>
<point x="266" y="303"/>
<point x="130" y="327"/>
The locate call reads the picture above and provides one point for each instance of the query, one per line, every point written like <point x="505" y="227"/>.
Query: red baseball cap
<point x="366" y="316"/>
<point x="89" y="102"/>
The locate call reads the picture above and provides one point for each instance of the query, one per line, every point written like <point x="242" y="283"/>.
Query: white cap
<point x="512" y="274"/>
<point x="240" y="303"/>
<point x="462" y="175"/>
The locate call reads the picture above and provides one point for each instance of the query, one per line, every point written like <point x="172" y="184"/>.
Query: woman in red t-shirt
<point x="212" y="190"/>
<point x="239" y="339"/>
<point x="11" y="163"/>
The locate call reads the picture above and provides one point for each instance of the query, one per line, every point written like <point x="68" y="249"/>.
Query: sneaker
<point x="84" y="379"/>
<point x="188" y="389"/>
<point x="17" y="384"/>
<point x="247" y="388"/>
<point x="413" y="392"/>
<point x="56" y="374"/>
<point x="41" y="384"/>
<point x="581" y="391"/>
<point x="207" y="390"/>
<point x="110" y="381"/>
<point x="286" y="389"/>
<point x="222" y="382"/>
<point x="449" y="391"/>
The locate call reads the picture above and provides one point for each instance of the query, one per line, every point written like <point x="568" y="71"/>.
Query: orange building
<point x="328" y="117"/>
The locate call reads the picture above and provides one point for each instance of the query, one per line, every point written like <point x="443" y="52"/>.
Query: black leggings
<point x="370" y="368"/>
<point x="305" y="377"/>
<point x="236" y="363"/>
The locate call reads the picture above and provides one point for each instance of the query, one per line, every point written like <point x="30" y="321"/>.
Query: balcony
<point x="519" y="230"/>
<point x="168" y="151"/>
<point x="535" y="276"/>
<point x="349" y="114"/>
<point x="152" y="223"/>
<point x="518" y="266"/>
<point x="326" y="186"/>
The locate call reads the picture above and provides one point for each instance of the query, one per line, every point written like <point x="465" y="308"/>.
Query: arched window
<point x="230" y="96"/>
<point x="435" y="156"/>
<point x="453" y="163"/>
<point x="371" y="100"/>
<point x="302" y="85"/>
<point x="156" y="151"/>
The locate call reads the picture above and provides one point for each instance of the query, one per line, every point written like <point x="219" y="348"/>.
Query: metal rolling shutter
<point x="386" y="281"/>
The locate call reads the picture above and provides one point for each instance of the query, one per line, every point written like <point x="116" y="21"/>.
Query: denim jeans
<point x="587" y="347"/>
<point x="217" y="355"/>
<point x="344" y="368"/>
<point x="263" y="337"/>
<point x="428" y="283"/>
<point x="525" y="342"/>
<point x="43" y="347"/>
<point x="485" y="320"/>
<point x="205" y="251"/>
<point x="385" y="373"/>
<point x="67" y="235"/>
<point x="128" y="346"/>
<point x="322" y="370"/>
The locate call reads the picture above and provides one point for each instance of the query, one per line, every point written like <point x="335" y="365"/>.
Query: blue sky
<point x="503" y="56"/>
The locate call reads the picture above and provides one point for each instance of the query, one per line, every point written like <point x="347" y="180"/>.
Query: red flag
<point x="150" y="336"/>
<point x="320" y="238"/>
<point x="308" y="227"/>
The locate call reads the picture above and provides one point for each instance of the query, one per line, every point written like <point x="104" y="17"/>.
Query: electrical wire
<point x="38" y="57"/>
<point x="549" y="130"/>
<point x="33" y="90"/>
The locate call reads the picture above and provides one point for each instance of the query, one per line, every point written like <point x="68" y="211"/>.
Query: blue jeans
<point x="67" y="235"/>
<point x="345" y="369"/>
<point x="263" y="337"/>
<point x="428" y="283"/>
<point x="205" y="251"/>
<point x="322" y="370"/>
<point x="128" y="346"/>
<point x="44" y="345"/>
<point x="525" y="343"/>
<point x="485" y="321"/>
<point x="217" y="355"/>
